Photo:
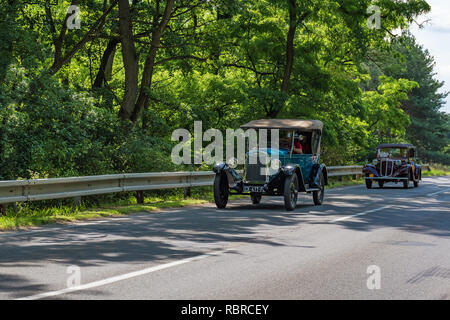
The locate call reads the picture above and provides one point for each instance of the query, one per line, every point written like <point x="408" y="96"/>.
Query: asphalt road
<point x="361" y="244"/>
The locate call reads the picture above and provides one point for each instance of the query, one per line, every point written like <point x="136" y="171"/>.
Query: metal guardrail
<point x="58" y="188"/>
<point x="344" y="171"/>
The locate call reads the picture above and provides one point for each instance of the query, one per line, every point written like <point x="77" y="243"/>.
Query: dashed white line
<point x="122" y="277"/>
<point x="436" y="193"/>
<point x="360" y="214"/>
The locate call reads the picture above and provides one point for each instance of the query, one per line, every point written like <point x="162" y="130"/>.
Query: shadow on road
<point x="187" y="232"/>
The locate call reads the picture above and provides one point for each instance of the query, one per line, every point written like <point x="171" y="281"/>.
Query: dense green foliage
<point x="105" y="98"/>
<point x="429" y="127"/>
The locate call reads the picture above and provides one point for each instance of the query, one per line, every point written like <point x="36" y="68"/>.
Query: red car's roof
<point x="395" y="145"/>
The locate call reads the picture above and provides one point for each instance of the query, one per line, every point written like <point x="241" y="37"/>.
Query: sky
<point x="435" y="36"/>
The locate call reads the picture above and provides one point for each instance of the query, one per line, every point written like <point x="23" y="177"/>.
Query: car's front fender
<point x="419" y="171"/>
<point x="315" y="174"/>
<point x="370" y="169"/>
<point x="232" y="175"/>
<point x="290" y="169"/>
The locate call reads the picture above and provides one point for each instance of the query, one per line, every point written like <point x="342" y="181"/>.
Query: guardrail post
<point x="140" y="197"/>
<point x="187" y="192"/>
<point x="77" y="202"/>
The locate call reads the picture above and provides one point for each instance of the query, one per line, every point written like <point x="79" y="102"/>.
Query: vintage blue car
<point x="296" y="167"/>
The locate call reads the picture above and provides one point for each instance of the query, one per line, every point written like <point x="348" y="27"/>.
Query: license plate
<point x="256" y="189"/>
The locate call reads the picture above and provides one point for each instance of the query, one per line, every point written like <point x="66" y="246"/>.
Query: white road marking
<point x="123" y="276"/>
<point x="361" y="214"/>
<point x="436" y="193"/>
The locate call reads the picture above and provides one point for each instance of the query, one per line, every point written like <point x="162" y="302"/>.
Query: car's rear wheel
<point x="256" y="198"/>
<point x="221" y="191"/>
<point x="368" y="184"/>
<point x="318" y="195"/>
<point x="416" y="184"/>
<point x="380" y="184"/>
<point x="291" y="192"/>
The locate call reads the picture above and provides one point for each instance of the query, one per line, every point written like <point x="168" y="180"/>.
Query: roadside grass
<point x="437" y="170"/>
<point x="335" y="182"/>
<point x="26" y="215"/>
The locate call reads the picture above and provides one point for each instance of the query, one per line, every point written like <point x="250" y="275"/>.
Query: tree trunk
<point x="290" y="45"/>
<point x="130" y="60"/>
<point x="106" y="63"/>
<point x="142" y="101"/>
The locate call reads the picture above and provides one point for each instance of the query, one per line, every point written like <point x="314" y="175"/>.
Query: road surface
<point x="386" y="243"/>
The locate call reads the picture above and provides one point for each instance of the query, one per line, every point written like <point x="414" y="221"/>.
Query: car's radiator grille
<point x="387" y="168"/>
<point x="253" y="173"/>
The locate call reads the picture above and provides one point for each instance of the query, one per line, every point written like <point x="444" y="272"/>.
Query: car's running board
<point x="313" y="189"/>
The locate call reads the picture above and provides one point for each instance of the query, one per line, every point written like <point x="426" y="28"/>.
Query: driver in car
<point x="298" y="148"/>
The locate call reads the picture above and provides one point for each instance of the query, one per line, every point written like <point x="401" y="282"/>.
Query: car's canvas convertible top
<point x="305" y="125"/>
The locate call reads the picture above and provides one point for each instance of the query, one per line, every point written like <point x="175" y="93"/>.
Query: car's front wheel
<point x="380" y="184"/>
<point x="221" y="191"/>
<point x="291" y="192"/>
<point x="406" y="184"/>
<point x="318" y="195"/>
<point x="368" y="184"/>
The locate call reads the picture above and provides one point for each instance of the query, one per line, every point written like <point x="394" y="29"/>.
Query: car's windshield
<point x="392" y="153"/>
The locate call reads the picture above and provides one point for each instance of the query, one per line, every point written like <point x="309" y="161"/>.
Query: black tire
<point x="318" y="195"/>
<point x="368" y="184"/>
<point x="256" y="198"/>
<point x="406" y="184"/>
<point x="380" y="184"/>
<point x="221" y="191"/>
<point x="419" y="177"/>
<point x="290" y="192"/>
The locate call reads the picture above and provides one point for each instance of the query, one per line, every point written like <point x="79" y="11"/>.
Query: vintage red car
<point x="394" y="163"/>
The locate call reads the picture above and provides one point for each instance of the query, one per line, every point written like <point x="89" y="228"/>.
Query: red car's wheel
<point x="368" y="184"/>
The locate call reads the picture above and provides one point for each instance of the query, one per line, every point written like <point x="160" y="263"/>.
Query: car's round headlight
<point x="232" y="162"/>
<point x="275" y="164"/>
<point x="375" y="162"/>
<point x="398" y="162"/>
